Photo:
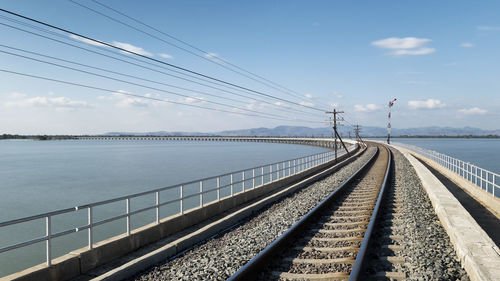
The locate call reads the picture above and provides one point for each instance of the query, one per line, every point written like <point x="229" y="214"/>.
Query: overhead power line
<point x="206" y="56"/>
<point x="142" y="97"/>
<point x="155" y="60"/>
<point x="279" y="107"/>
<point x="143" y="86"/>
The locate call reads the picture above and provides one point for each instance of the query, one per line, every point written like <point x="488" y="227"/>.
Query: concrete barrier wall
<point x="478" y="254"/>
<point x="83" y="260"/>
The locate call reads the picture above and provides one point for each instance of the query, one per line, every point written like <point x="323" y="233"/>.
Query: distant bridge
<point x="321" y="142"/>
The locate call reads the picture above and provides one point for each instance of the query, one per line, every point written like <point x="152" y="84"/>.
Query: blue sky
<point x="438" y="58"/>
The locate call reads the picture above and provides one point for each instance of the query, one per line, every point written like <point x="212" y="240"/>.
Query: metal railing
<point x="231" y="183"/>
<point x="484" y="179"/>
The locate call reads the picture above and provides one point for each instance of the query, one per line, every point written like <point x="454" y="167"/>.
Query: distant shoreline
<point x="74" y="137"/>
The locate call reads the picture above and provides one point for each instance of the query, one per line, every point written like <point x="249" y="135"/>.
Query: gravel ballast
<point x="222" y="256"/>
<point x="428" y="252"/>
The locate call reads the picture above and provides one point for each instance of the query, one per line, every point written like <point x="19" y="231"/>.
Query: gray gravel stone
<point x="427" y="248"/>
<point x="222" y="256"/>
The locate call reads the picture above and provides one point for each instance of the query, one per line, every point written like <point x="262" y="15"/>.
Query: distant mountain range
<point x="298" y="131"/>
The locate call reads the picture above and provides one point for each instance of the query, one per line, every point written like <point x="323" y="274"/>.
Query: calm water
<point x="41" y="176"/>
<point x="484" y="153"/>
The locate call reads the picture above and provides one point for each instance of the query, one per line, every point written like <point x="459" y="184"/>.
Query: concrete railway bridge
<point x="321" y="142"/>
<point x="408" y="196"/>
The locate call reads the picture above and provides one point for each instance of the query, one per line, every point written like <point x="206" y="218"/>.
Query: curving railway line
<point x="370" y="220"/>
<point x="330" y="242"/>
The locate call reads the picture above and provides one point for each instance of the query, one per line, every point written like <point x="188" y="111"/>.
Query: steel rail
<point x="247" y="272"/>
<point x="360" y="258"/>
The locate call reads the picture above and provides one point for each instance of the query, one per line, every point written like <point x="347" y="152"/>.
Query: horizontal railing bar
<point x="23" y="244"/>
<point x="36" y="217"/>
<point x="105" y="221"/>
<point x="66" y="232"/>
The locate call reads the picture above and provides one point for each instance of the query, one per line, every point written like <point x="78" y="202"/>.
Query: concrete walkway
<point x="477" y="252"/>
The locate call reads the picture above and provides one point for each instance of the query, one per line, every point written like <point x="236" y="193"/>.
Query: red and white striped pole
<point x="391" y="103"/>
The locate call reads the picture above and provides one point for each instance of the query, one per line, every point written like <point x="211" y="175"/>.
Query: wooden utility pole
<point x="357" y="130"/>
<point x="336" y="133"/>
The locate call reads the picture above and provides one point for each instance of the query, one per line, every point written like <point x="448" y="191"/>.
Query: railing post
<point x="232" y="188"/>
<point x="475" y="173"/>
<point x="48" y="232"/>
<point x="262" y="174"/>
<point x="157" y="207"/>
<point x="201" y="193"/>
<point x="128" y="215"/>
<point x="253" y="178"/>
<point x="289" y="168"/>
<point x="493" y="190"/>
<point x="243" y="180"/>
<point x="218" y="188"/>
<point x="271" y="172"/>
<point x="481" y="179"/>
<point x="90" y="220"/>
<point x="181" y="199"/>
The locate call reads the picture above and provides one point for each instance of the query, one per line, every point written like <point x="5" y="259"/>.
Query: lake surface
<point x="484" y="153"/>
<point x="42" y="176"/>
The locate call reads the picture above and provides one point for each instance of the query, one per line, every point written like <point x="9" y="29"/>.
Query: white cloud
<point x="401" y="43"/>
<point x="334" y="104"/>
<point x="338" y="95"/>
<point x="86" y="41"/>
<point x="467" y="45"/>
<point x="306" y="103"/>
<point x="309" y="96"/>
<point x="416" y="52"/>
<point x="473" y="111"/>
<point x="366" y="108"/>
<point x="20" y="100"/>
<point x="488" y="28"/>
<point x="124" y="101"/>
<point x="132" y="48"/>
<point x="132" y="102"/>
<point x="194" y="100"/>
<point x="167" y="56"/>
<point x="16" y="95"/>
<point x="426" y="104"/>
<point x="405" y="46"/>
<point x="211" y="55"/>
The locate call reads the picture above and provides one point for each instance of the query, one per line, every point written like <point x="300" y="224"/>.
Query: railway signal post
<point x="391" y="103"/>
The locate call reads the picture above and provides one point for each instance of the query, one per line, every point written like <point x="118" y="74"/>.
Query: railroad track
<point x="330" y="242"/>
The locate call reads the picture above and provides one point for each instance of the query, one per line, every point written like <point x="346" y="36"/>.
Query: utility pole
<point x="391" y="103"/>
<point x="357" y="130"/>
<point x="336" y="133"/>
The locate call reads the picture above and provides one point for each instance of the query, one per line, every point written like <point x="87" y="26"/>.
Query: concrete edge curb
<point x="132" y="267"/>
<point x="473" y="246"/>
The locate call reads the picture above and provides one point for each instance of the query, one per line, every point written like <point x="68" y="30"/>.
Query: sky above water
<point x="440" y="59"/>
